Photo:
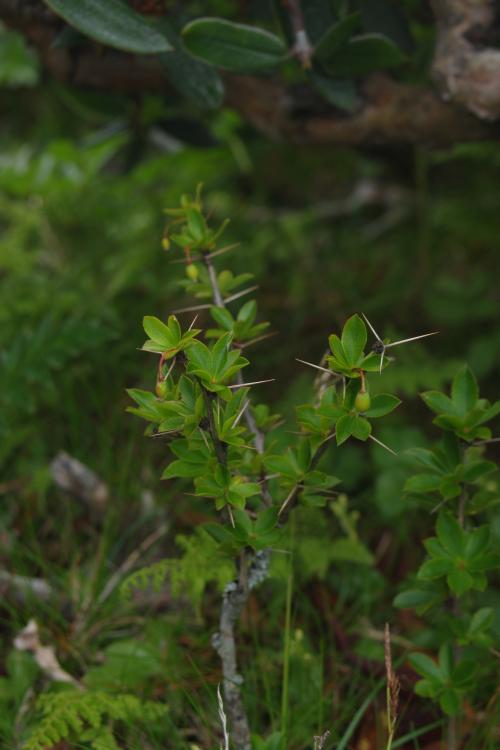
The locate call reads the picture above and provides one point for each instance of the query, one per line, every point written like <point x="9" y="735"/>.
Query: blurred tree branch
<point x="391" y="112"/>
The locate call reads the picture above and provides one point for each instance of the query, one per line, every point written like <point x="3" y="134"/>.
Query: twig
<point x="302" y="48"/>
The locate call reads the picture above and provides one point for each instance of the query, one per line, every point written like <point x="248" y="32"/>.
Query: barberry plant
<point x="454" y="484"/>
<point x="223" y="442"/>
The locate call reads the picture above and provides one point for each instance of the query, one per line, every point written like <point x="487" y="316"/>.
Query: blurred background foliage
<point x="408" y="236"/>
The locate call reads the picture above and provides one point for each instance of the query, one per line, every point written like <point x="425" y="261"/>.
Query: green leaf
<point x="450" y="534"/>
<point x="426" y="666"/>
<point x="233" y="46"/>
<point x="340" y="92"/>
<point x="344" y="427"/>
<point x="464" y="390"/>
<point x="436" y="568"/>
<point x="490" y="412"/>
<point x="381" y="405"/>
<point x="353" y="339"/>
<point x="350" y="550"/>
<point x="388" y="18"/>
<point x="450" y="701"/>
<point x="414" y="599"/>
<point x="460" y="581"/>
<point x="477" y="469"/>
<point x="439" y="402"/>
<point x="266" y="521"/>
<point x="112" y="22"/>
<point x="158" y="331"/>
<point x="361" y="428"/>
<point x="200" y="83"/>
<point x="481" y="620"/>
<point x="364" y="54"/>
<point x="423" y="483"/>
<point x="336" y="37"/>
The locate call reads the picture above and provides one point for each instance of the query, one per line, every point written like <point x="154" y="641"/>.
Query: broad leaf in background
<point x="113" y="23"/>
<point x="233" y="46"/>
<point x="362" y="55"/>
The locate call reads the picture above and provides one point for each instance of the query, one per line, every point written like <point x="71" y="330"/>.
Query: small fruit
<point x="161" y="389"/>
<point x="363" y="401"/>
<point x="192" y="272"/>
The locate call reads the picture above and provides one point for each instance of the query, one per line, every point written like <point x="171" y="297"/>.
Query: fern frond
<point x="202" y="562"/>
<point x="73" y="714"/>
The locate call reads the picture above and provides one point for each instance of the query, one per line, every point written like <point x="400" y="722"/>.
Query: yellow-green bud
<point x="363" y="401"/>
<point x="161" y="389"/>
<point x="192" y="272"/>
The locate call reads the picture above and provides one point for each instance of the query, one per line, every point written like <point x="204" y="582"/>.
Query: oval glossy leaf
<point x="340" y="92"/>
<point x="200" y="83"/>
<point x="112" y="22"/>
<point x="336" y="37"/>
<point x="233" y="46"/>
<point x="364" y="54"/>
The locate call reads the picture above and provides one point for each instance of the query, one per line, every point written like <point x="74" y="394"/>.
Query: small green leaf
<point x="460" y="581"/>
<point x="439" y="402"/>
<point x="414" y="599"/>
<point x="450" y="534"/>
<point x="353" y="339"/>
<point x="464" y="390"/>
<point x="112" y="22"/>
<point x="450" y="701"/>
<point x="423" y="483"/>
<point x="381" y="405"/>
<point x="343" y="428"/>
<point x="158" y="331"/>
<point x="426" y="666"/>
<point x="233" y="46"/>
<point x="435" y="568"/>
<point x="266" y="521"/>
<point x="361" y="429"/>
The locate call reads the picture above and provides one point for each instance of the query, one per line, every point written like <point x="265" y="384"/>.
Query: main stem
<point x="252" y="570"/>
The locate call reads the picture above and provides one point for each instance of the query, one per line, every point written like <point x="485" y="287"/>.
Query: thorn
<point x="383" y="445"/>
<point x="222" y="250"/>
<point x="413" y="338"/>
<point x="240" y="294"/>
<point x="287" y="500"/>
<point x="192" y="309"/>
<point x="372" y="329"/>
<point x="259" y="338"/>
<point x="238" y="417"/>
<point x="255" y="382"/>
<point x="170" y="369"/>
<point x="185" y="261"/>
<point x="317" y="367"/>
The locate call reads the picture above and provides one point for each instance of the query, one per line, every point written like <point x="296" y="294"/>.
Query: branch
<point x="235" y="598"/>
<point x="392" y="112"/>
<point x="258" y="435"/>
